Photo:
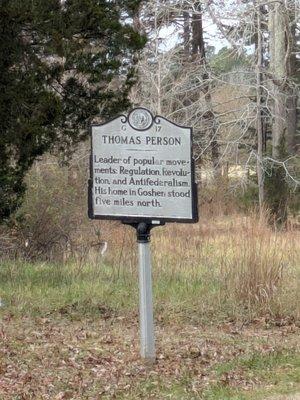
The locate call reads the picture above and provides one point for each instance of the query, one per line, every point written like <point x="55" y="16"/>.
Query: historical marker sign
<point x="142" y="169"/>
<point x="142" y="172"/>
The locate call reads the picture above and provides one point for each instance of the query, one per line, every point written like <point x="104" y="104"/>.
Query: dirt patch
<point x="290" y="397"/>
<point x="55" y="358"/>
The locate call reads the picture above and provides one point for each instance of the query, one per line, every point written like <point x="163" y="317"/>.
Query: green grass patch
<point x="43" y="288"/>
<point x="274" y="374"/>
<point x="78" y="303"/>
<point x="277" y="372"/>
<point x="198" y="295"/>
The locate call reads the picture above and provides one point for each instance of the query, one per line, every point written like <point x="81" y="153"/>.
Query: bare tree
<point x="259" y="99"/>
<point x="234" y="113"/>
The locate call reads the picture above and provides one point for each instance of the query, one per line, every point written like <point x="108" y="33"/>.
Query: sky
<point x="170" y="36"/>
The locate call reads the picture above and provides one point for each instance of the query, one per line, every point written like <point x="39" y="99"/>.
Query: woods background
<point x="228" y="69"/>
<point x="226" y="290"/>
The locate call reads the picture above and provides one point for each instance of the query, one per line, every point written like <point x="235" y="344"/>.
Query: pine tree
<point x="61" y="64"/>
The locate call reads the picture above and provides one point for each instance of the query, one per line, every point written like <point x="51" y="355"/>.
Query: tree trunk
<point x="292" y="72"/>
<point x="292" y="120"/>
<point x="283" y="68"/>
<point x="186" y="34"/>
<point x="259" y="120"/>
<point x="198" y="45"/>
<point x="284" y="110"/>
<point x="198" y="50"/>
<point x="279" y="73"/>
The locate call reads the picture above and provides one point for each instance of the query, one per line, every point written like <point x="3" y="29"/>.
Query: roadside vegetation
<point x="226" y="267"/>
<point x="226" y="308"/>
<point x="226" y="290"/>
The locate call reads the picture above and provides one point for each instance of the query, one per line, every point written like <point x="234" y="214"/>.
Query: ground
<point x="227" y="318"/>
<point x="61" y="357"/>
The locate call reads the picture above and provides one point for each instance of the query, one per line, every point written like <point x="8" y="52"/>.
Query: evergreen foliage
<point x="226" y="60"/>
<point x="61" y="64"/>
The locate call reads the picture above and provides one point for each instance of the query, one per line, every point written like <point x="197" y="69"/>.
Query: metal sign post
<point x="147" y="337"/>
<point x="146" y="304"/>
<point x="142" y="173"/>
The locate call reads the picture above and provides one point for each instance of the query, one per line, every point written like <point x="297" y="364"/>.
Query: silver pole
<point x="146" y="304"/>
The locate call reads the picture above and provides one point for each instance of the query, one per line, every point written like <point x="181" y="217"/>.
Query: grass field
<point x="227" y="306"/>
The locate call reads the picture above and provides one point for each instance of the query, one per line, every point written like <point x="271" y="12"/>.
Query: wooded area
<point x="242" y="100"/>
<point x="226" y="289"/>
<point x="230" y="70"/>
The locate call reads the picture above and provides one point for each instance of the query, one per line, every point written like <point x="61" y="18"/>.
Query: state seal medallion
<point x="140" y="119"/>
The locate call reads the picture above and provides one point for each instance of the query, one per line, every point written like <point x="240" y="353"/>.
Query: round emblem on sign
<point x="140" y="119"/>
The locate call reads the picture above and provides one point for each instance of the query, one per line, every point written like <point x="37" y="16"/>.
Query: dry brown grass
<point x="57" y="358"/>
<point x="226" y="295"/>
<point x="245" y="264"/>
<point x="228" y="263"/>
